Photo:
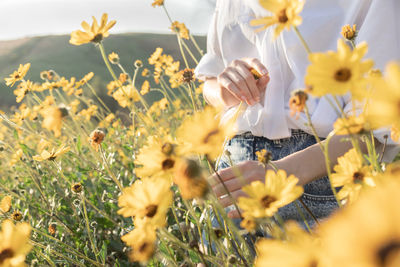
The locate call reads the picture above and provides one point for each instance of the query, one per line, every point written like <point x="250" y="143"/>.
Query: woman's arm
<point x="307" y="165"/>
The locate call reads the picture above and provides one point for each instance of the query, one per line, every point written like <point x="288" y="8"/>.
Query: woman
<point x="234" y="48"/>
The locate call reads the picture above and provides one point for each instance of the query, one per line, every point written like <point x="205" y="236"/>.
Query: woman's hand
<point x="238" y="80"/>
<point x="236" y="83"/>
<point x="234" y="179"/>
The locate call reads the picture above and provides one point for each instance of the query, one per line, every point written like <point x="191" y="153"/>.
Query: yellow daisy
<point x="285" y="14"/>
<point x="46" y="155"/>
<point x="190" y="179"/>
<point x="350" y="125"/>
<point x="148" y="199"/>
<point x="366" y="233"/>
<point x="126" y="95"/>
<point x="265" y="199"/>
<point x="18" y="74"/>
<point x="158" y="156"/>
<point x="181" y="29"/>
<point x="351" y="173"/>
<point x="14" y="244"/>
<point x="383" y="108"/>
<point x="203" y="134"/>
<point x="95" y="33"/>
<point x="338" y="72"/>
<point x="52" y="119"/>
<point x="142" y="241"/>
<point x="299" y="250"/>
<point x="5" y="204"/>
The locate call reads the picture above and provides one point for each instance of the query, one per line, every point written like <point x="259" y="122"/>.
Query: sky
<point x="22" y="18"/>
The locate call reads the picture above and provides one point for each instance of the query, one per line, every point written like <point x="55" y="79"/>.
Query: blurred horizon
<point x="31" y="18"/>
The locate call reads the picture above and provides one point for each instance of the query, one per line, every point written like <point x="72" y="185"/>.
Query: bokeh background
<point x="37" y="31"/>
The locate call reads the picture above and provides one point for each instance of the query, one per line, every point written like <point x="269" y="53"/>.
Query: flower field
<point x="82" y="186"/>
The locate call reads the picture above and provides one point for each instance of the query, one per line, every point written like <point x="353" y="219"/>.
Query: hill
<point x="55" y="52"/>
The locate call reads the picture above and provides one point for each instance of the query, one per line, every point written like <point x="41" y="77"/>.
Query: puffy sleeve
<point x="211" y="64"/>
<point x="379" y="26"/>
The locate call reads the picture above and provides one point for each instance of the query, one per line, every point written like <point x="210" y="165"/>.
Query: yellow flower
<point x="95" y="33"/>
<point x="46" y="155"/>
<point x="395" y="134"/>
<point x="145" y="72"/>
<point x="248" y="223"/>
<point x="52" y="119"/>
<point x="16" y="157"/>
<point x="181" y="29"/>
<point x="338" y="72"/>
<point x="142" y="241"/>
<point x="352" y="175"/>
<point x="285" y="14"/>
<point x="138" y="63"/>
<point x="384" y="104"/>
<point x="23" y="89"/>
<point x="190" y="179"/>
<point x="263" y="156"/>
<point x="265" y="199"/>
<point x="157" y="3"/>
<point x="145" y="88"/>
<point x="14" y="244"/>
<point x="18" y="74"/>
<point x="77" y="187"/>
<point x="202" y="133"/>
<point x="300" y="250"/>
<point x="89" y="112"/>
<point x="350" y="125"/>
<point x="5" y="204"/>
<point x="16" y="215"/>
<point x="366" y="233"/>
<point x="349" y="33"/>
<point x="113" y="58"/>
<point x="125" y="95"/>
<point x="158" y="156"/>
<point x="163" y="103"/>
<point x="147" y="199"/>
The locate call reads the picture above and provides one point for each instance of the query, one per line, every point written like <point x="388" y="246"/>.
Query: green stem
<point x="103" y="54"/>
<point x="91" y="238"/>
<point x="302" y="40"/>
<point x="196" y="45"/>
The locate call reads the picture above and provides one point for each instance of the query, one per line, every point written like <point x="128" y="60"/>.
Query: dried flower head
<point x="187" y="75"/>
<point x="52" y="229"/>
<point x="96" y="138"/>
<point x="297" y="102"/>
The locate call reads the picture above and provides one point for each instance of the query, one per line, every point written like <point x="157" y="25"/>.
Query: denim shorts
<point x="318" y="195"/>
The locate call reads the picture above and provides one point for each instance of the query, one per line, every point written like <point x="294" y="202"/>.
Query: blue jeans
<point x="318" y="195"/>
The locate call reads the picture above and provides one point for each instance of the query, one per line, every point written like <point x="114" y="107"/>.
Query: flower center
<point x="143" y="247"/>
<point x="6" y="254"/>
<point x="209" y="135"/>
<point x="313" y="263"/>
<point x="282" y="17"/>
<point x="343" y="75"/>
<point x="267" y="200"/>
<point x="168" y="164"/>
<point x="97" y="38"/>
<point x="389" y="253"/>
<point x="151" y="210"/>
<point x="358" y="177"/>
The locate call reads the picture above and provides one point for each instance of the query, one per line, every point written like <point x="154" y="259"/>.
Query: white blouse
<point x="231" y="37"/>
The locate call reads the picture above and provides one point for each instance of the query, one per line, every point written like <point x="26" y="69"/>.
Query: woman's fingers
<point x="225" y="81"/>
<point x="227" y="200"/>
<point x="257" y="65"/>
<point x="251" y="83"/>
